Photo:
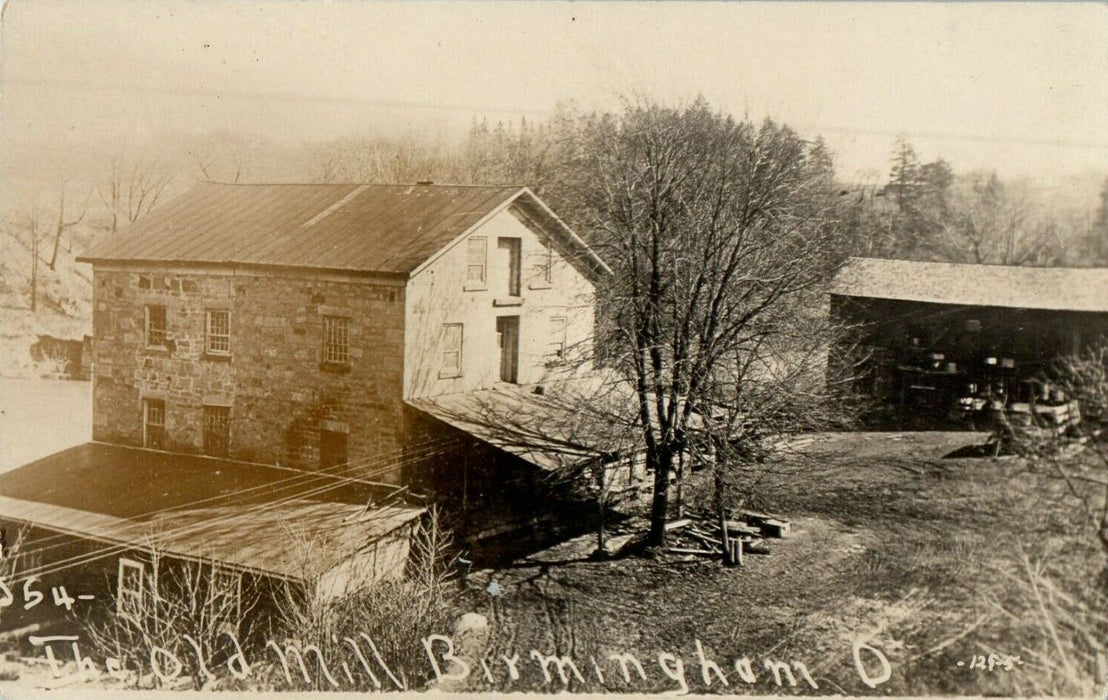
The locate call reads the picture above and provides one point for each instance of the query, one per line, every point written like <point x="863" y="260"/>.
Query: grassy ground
<point x="895" y="545"/>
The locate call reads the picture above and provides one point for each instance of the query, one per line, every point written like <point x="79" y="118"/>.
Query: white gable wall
<point x="439" y="295"/>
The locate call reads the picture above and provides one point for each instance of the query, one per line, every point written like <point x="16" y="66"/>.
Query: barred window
<point x="217" y="430"/>
<point x="476" y="260"/>
<point x="451" y="349"/>
<point x="129" y="590"/>
<point x="155" y="326"/>
<point x="218" y="332"/>
<point x="153" y="423"/>
<point x="335" y="334"/>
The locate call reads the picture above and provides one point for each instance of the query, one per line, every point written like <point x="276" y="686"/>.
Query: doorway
<point x="332" y="449"/>
<point x="507" y="334"/>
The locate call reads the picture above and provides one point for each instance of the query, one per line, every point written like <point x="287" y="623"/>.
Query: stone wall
<point x="279" y="391"/>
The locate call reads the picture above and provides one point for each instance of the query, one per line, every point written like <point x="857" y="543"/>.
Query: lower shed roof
<point x="271" y="520"/>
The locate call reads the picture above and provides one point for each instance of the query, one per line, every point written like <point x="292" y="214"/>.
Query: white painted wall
<point x="438" y="295"/>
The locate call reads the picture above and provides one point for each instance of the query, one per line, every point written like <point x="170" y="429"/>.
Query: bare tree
<point x="396" y="161"/>
<point x="61" y="225"/>
<point x="131" y="192"/>
<point x="715" y="230"/>
<point x="220" y="153"/>
<point x="992" y="225"/>
<point x="35" y="234"/>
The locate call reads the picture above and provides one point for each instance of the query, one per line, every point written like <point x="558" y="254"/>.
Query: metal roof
<point x="389" y="229"/>
<point x="548" y="429"/>
<point x="1053" y="288"/>
<point x="241" y="514"/>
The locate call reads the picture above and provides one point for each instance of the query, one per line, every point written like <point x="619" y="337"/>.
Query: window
<point x="153" y="423"/>
<point x="476" y="262"/>
<point x="218" y="332"/>
<point x="558" y="337"/>
<point x="335" y="334"/>
<point x="128" y="594"/>
<point x="451" y="350"/>
<point x="155" y="326"/>
<point x="217" y="430"/>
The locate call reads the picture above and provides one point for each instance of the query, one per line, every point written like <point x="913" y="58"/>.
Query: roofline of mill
<point x="594" y="260"/>
<point x="217" y="264"/>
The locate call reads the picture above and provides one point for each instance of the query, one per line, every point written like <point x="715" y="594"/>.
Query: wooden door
<point x="507" y="330"/>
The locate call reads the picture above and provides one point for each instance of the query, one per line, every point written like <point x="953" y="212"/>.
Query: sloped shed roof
<point x="1053" y="288"/>
<point x="389" y="229"/>
<point x="237" y="513"/>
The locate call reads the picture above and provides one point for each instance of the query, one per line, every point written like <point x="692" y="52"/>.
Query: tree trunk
<point x="57" y="241"/>
<point x="659" y="508"/>
<point x="34" y="272"/>
<point x="680" y="484"/>
<point x="600" y="534"/>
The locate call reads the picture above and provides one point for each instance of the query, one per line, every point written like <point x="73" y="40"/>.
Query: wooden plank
<point x="742" y="528"/>
<point x="677" y="524"/>
<point x="700" y="552"/>
<point x="703" y="538"/>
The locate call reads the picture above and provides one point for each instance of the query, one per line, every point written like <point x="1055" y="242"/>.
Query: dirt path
<point x="894" y="544"/>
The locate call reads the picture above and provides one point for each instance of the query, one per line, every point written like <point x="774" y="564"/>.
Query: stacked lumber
<point x="729" y="539"/>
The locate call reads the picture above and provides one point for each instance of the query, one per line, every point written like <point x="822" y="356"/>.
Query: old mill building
<point x="294" y="356"/>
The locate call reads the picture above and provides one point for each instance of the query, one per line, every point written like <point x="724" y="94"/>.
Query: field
<point x="895" y="545"/>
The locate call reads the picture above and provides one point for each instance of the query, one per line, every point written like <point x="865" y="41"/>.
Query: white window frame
<point x="558" y="342"/>
<point x="544" y="277"/>
<point x="335" y="353"/>
<point x="136" y="597"/>
<point x="146" y="423"/>
<point x="455" y="370"/>
<point x="482" y="282"/>
<point x="164" y="330"/>
<point x="210" y="335"/>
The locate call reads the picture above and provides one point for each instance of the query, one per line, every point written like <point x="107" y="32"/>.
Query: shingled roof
<point x="1053" y="288"/>
<point x="390" y="229"/>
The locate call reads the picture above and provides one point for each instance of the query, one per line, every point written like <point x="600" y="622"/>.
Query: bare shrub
<point x="193" y="610"/>
<point x="374" y="635"/>
<point x="1063" y="628"/>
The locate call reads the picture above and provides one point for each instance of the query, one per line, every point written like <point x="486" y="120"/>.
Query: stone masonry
<point x="279" y="392"/>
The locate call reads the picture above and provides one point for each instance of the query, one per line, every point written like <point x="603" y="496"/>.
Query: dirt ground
<point x="895" y="545"/>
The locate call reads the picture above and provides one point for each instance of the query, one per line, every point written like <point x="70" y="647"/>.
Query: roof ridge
<point x="980" y="265"/>
<point x="362" y="184"/>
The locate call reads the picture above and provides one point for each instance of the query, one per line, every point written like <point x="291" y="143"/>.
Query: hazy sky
<point x="1022" y="88"/>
